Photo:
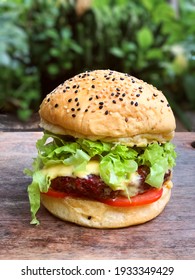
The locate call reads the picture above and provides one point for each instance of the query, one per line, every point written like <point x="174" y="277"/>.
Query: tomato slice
<point x="147" y="197"/>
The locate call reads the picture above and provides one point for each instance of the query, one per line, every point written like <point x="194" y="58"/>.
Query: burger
<point x="105" y="159"/>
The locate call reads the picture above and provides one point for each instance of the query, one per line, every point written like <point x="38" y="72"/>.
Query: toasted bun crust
<point x="95" y="214"/>
<point x="108" y="105"/>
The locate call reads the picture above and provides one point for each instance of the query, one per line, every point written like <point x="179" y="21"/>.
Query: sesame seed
<point x="117" y="89"/>
<point x="140" y="87"/>
<point x="136" y="103"/>
<point x="126" y="119"/>
<point x="100" y="107"/>
<point x="67" y="87"/>
<point x="90" y="98"/>
<point x="78" y="109"/>
<point x="74" y="86"/>
<point x="113" y="79"/>
<point x="48" y="99"/>
<point x="76" y="91"/>
<point x="155" y="95"/>
<point x="123" y="95"/>
<point x="133" y="81"/>
<point x="69" y="100"/>
<point x="121" y="79"/>
<point x="76" y="99"/>
<point x="56" y="105"/>
<point x="132" y="102"/>
<point x="73" y="115"/>
<point x="121" y="99"/>
<point x="162" y="101"/>
<point x="106" y="113"/>
<point x="168" y="105"/>
<point x="97" y="97"/>
<point x="93" y="86"/>
<point x="114" y="101"/>
<point x="64" y="90"/>
<point x="72" y="109"/>
<point x="86" y="110"/>
<point x="77" y="104"/>
<point x="112" y="94"/>
<point x="138" y="95"/>
<point x="101" y="103"/>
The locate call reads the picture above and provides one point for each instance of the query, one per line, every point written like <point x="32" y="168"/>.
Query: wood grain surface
<point x="170" y="236"/>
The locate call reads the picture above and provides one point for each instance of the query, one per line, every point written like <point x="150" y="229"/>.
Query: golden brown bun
<point x="108" y="105"/>
<point x="95" y="214"/>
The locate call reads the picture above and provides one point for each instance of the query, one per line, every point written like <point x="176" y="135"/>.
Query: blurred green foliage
<point x="44" y="42"/>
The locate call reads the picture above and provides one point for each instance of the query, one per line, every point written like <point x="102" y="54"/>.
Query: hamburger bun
<point x="110" y="106"/>
<point x="90" y="213"/>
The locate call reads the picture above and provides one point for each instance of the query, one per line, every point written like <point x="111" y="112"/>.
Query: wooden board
<point x="170" y="236"/>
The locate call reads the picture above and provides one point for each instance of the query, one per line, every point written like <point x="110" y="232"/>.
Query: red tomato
<point x="147" y="197"/>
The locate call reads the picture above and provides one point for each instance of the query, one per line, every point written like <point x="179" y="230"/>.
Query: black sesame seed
<point x="100" y="107"/>
<point x="162" y="101"/>
<point x="133" y="81"/>
<point x="112" y="94"/>
<point x="78" y="86"/>
<point x="90" y="98"/>
<point x="155" y="95"/>
<point x="113" y="79"/>
<point x="73" y="115"/>
<point x="56" y="105"/>
<point x="64" y="90"/>
<point x="69" y="100"/>
<point x="97" y="97"/>
<point x="84" y="75"/>
<point x="121" y="79"/>
<point x="101" y="103"/>
<point x="72" y="109"/>
<point x="117" y="89"/>
<point x="93" y="79"/>
<point x="121" y="99"/>
<point x="123" y="95"/>
<point x="106" y="113"/>
<point x="76" y="91"/>
<point x="132" y="102"/>
<point x="126" y="119"/>
<point x="76" y="99"/>
<point x="108" y="78"/>
<point x="48" y="99"/>
<point x="86" y="110"/>
<point x="138" y="95"/>
<point x="114" y="101"/>
<point x="74" y="86"/>
<point x="93" y="86"/>
<point x="136" y="103"/>
<point x="78" y="109"/>
<point x="168" y="105"/>
<point x="140" y="87"/>
<point x="67" y="87"/>
<point x="77" y="104"/>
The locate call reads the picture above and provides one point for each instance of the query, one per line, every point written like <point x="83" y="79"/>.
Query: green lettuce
<point x="116" y="162"/>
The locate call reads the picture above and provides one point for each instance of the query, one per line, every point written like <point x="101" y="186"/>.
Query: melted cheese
<point x="63" y="170"/>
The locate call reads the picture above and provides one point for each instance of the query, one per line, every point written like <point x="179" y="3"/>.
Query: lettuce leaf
<point x="117" y="162"/>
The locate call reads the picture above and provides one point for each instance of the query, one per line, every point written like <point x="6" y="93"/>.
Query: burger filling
<point x="97" y="170"/>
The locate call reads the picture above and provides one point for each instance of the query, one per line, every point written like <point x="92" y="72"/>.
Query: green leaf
<point x="145" y="38"/>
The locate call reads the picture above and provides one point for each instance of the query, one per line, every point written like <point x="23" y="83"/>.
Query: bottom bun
<point x="95" y="214"/>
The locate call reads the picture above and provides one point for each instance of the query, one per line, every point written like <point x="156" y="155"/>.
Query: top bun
<point x="110" y="106"/>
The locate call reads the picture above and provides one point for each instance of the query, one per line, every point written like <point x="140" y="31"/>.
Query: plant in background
<point x="49" y="41"/>
<point x="18" y="80"/>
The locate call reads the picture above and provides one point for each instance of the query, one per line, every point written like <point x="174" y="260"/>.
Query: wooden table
<point x="170" y="236"/>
